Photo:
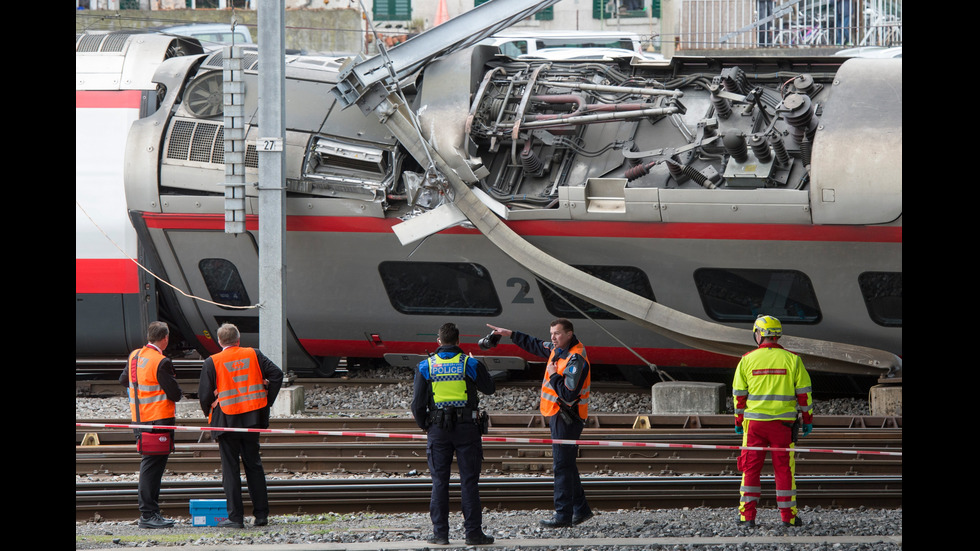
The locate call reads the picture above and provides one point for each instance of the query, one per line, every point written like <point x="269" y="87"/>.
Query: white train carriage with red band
<point x="718" y="189"/>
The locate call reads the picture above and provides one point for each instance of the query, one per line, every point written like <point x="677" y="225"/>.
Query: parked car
<point x="584" y="54"/>
<point x="211" y="35"/>
<point x="517" y="43"/>
<point x="879" y="52"/>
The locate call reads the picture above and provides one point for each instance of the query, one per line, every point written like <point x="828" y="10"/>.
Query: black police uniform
<point x="453" y="426"/>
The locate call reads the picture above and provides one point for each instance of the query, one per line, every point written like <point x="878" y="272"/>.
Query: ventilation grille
<point x="105" y="43"/>
<point x="195" y="141"/>
<point x="203" y="142"/>
<point x="250" y="60"/>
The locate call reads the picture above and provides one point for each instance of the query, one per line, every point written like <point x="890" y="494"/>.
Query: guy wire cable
<point x="653" y="367"/>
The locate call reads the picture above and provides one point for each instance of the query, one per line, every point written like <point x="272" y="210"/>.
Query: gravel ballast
<point x="700" y="528"/>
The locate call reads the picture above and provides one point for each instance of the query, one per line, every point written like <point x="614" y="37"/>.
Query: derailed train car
<point x="113" y="87"/>
<point x="718" y="187"/>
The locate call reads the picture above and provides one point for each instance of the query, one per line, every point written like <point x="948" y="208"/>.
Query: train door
<point x="221" y="270"/>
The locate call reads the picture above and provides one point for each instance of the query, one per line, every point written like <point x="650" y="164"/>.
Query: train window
<point x="563" y="305"/>
<point x="223" y="282"/>
<point x="440" y="288"/>
<point x="734" y="295"/>
<point x="882" y="293"/>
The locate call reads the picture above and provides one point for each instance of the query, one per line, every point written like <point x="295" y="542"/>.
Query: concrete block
<point x="685" y="397"/>
<point x="886" y="400"/>
<point x="291" y="399"/>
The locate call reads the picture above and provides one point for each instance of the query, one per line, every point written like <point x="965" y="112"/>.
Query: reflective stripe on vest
<point x="448" y="379"/>
<point x="765" y="381"/>
<point x="549" y="396"/>
<point x="239" y="380"/>
<point x="153" y="400"/>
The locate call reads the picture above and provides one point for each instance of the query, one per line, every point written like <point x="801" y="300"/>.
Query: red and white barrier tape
<point x="487" y="439"/>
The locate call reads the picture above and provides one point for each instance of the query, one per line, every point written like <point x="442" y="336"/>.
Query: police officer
<point x="565" y="393"/>
<point x="153" y="391"/>
<point x="771" y="385"/>
<point x="445" y="405"/>
<point x="237" y="389"/>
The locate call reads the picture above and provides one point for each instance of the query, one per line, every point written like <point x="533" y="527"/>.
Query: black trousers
<point x="570" y="502"/>
<point x="151" y="478"/>
<point x="465" y="440"/>
<point x="245" y="446"/>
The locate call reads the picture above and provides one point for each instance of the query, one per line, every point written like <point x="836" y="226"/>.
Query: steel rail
<point x="117" y="500"/>
<point x="639" y="423"/>
<point x="388" y="459"/>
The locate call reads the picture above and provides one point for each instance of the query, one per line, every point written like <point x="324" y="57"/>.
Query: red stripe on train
<point x="597" y="354"/>
<point x="106" y="275"/>
<point x="564" y="228"/>
<point x="117" y="99"/>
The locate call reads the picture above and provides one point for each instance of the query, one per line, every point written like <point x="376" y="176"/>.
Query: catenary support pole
<point x="272" y="192"/>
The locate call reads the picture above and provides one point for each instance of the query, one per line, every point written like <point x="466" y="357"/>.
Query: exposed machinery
<point x="659" y="205"/>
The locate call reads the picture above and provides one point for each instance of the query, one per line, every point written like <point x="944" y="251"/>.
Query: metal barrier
<point x="730" y="24"/>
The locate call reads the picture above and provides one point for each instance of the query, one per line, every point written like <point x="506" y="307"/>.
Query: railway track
<point x="516" y="475"/>
<point x="117" y="500"/>
<point x="298" y="453"/>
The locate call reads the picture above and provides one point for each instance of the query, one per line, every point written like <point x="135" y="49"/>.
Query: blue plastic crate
<point x="208" y="512"/>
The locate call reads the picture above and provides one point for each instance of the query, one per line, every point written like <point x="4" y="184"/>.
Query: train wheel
<point x="326" y="366"/>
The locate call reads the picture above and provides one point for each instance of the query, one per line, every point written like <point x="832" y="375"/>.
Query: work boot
<point x="438" y="540"/>
<point x="155" y="520"/>
<point x="579" y="520"/>
<point x="797" y="522"/>
<point x="479" y="539"/>
<point x="555" y="522"/>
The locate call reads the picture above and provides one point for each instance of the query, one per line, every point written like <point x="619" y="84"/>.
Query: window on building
<point x="741" y="295"/>
<point x="440" y="288"/>
<point x="392" y="10"/>
<point x="625" y="277"/>
<point x="882" y="293"/>
<point x="611" y="9"/>
<point x="223" y="282"/>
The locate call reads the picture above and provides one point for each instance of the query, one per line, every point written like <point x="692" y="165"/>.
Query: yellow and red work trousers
<point x="767" y="434"/>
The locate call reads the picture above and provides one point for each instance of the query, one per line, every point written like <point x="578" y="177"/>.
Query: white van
<point x="516" y="43"/>
<point x="211" y="35"/>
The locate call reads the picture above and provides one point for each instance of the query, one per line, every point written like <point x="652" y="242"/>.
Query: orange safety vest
<point x="549" y="396"/>
<point x="240" y="384"/>
<point x="153" y="400"/>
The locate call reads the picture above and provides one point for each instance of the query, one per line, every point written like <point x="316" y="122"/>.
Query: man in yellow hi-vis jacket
<point x="771" y="385"/>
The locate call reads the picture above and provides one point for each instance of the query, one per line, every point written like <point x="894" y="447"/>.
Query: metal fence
<point x="727" y="24"/>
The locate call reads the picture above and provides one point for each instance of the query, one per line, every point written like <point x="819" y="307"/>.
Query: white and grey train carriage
<point x="113" y="87"/>
<point x="716" y="189"/>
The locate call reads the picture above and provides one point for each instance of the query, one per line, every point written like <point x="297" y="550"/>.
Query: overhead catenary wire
<point x="652" y="366"/>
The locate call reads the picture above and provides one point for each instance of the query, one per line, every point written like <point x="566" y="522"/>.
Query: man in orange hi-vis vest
<point x="153" y="391"/>
<point x="565" y="404"/>
<point x="238" y="386"/>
